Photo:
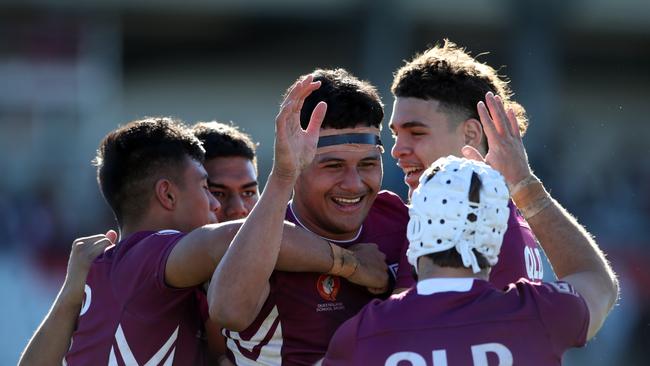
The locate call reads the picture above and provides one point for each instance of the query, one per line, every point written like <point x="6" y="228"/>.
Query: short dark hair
<point x="451" y="257"/>
<point x="131" y="158"/>
<point x="350" y="102"/>
<point x="458" y="81"/>
<point x="223" y="140"/>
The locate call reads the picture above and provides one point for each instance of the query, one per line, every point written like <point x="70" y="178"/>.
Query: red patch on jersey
<point x="328" y="287"/>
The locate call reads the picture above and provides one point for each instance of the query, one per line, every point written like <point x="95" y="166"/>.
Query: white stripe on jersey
<point x="129" y="359"/>
<point x="270" y="354"/>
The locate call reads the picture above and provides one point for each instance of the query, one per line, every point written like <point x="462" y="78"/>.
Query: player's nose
<point x="236" y="209"/>
<point x="400" y="149"/>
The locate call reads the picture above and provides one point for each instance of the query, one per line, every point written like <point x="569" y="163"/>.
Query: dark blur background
<point x="72" y="70"/>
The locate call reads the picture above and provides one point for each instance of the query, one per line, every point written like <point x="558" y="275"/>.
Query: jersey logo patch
<point x="393" y="269"/>
<point x="328" y="287"/>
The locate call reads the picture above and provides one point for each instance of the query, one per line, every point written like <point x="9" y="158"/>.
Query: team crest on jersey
<point x="328" y="287"/>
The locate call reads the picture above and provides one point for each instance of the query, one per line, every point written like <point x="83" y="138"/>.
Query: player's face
<point x="334" y="193"/>
<point x="233" y="182"/>
<point x="422" y="135"/>
<point x="196" y="205"/>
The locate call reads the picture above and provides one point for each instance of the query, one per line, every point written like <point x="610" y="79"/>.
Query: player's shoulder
<point x="379" y="314"/>
<point x="162" y="238"/>
<point x="389" y="202"/>
<point x="148" y="242"/>
<point x="542" y="289"/>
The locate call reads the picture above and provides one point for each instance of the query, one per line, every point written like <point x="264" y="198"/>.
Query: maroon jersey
<point x="520" y="256"/>
<point x="304" y="310"/>
<point x="130" y="316"/>
<point x="447" y="321"/>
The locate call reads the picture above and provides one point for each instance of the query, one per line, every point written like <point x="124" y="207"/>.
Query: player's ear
<point x="473" y="134"/>
<point x="165" y="193"/>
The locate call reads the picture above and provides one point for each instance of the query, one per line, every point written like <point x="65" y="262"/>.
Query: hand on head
<point x="506" y="150"/>
<point x="295" y="147"/>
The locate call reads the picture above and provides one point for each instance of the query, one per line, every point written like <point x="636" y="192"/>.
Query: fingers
<point x="488" y="125"/>
<point x="514" y="125"/>
<point x="471" y="153"/>
<point x="377" y="290"/>
<point x="100" y="245"/>
<point x="298" y="92"/>
<point x="112" y="236"/>
<point x="317" y="117"/>
<point x="95" y="243"/>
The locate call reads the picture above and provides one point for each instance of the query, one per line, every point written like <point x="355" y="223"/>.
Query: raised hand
<point x="83" y="253"/>
<point x="506" y="149"/>
<point x="295" y="148"/>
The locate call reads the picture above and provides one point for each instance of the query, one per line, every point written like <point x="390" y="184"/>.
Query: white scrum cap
<point x="440" y="212"/>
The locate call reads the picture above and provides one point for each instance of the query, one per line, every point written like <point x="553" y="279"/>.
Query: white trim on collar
<point x="432" y="286"/>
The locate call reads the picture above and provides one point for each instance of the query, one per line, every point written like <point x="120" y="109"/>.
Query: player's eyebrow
<point x="329" y="159"/>
<point x="409" y="124"/>
<point x="222" y="186"/>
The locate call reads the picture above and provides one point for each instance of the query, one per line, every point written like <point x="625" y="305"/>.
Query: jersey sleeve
<point x="520" y="256"/>
<point x="563" y="312"/>
<point x="342" y="347"/>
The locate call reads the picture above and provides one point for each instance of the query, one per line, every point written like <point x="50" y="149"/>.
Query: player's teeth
<point x="347" y="201"/>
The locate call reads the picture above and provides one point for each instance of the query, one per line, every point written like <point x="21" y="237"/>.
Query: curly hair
<point x="131" y="158"/>
<point x="458" y="81"/>
<point x="223" y="140"/>
<point x="350" y="102"/>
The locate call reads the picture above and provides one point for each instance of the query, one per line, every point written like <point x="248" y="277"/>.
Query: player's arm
<point x="240" y="283"/>
<point x="51" y="340"/>
<point x="301" y="251"/>
<point x="574" y="255"/>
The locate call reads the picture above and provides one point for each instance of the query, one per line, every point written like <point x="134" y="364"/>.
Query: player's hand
<point x="506" y="153"/>
<point x="83" y="253"/>
<point x="372" y="271"/>
<point x="85" y="250"/>
<point x="295" y="148"/>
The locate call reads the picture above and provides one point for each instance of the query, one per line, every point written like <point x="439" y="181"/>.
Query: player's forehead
<point x="414" y="112"/>
<point x="232" y="167"/>
<point x="194" y="170"/>
<point x="347" y="156"/>
<point x="231" y="172"/>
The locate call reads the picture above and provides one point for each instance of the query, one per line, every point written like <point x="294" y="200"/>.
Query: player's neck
<point x="146" y="224"/>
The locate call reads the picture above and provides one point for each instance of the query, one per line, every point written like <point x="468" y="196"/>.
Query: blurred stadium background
<point x="72" y="70"/>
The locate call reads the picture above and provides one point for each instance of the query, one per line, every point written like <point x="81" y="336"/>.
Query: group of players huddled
<point x="324" y="267"/>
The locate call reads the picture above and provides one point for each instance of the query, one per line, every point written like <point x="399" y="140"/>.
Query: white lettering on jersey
<point x="87" y="299"/>
<point x="480" y="351"/>
<point x="129" y="359"/>
<point x="439" y="356"/>
<point x="534" y="267"/>
<point x="413" y="358"/>
<point x="563" y="287"/>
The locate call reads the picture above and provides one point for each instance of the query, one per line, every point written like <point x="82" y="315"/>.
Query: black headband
<point x="350" y="138"/>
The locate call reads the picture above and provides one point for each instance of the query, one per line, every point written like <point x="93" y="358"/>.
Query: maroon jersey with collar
<point x="130" y="316"/>
<point x="447" y="321"/>
<point x="304" y="310"/>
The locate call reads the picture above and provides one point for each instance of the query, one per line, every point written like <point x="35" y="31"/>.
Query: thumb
<point x="111" y="235"/>
<point x="471" y="153"/>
